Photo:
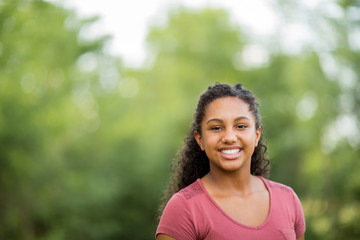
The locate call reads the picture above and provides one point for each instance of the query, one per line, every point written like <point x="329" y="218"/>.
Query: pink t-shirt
<point x="193" y="214"/>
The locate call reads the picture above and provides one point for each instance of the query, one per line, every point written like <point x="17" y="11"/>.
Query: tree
<point x="39" y="120"/>
<point x="86" y="143"/>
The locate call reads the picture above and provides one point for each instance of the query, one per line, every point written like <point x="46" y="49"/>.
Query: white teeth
<point x="230" y="151"/>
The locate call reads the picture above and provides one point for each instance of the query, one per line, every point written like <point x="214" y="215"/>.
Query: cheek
<point x="210" y="142"/>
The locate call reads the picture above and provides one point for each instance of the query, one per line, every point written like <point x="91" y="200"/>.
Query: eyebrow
<point x="219" y="120"/>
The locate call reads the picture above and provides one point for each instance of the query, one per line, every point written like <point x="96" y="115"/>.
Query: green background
<point x="86" y="143"/>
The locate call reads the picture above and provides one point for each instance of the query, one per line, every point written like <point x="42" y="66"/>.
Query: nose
<point x="229" y="136"/>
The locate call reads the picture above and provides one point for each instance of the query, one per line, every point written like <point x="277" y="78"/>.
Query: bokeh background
<point x="86" y="141"/>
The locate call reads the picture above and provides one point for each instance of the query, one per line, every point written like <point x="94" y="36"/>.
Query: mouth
<point x="230" y="153"/>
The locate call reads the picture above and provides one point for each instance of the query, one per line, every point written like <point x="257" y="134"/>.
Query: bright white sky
<point x="128" y="21"/>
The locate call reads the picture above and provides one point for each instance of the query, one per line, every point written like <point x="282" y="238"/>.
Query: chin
<point x="234" y="165"/>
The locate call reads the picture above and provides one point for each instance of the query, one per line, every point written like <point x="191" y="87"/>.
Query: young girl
<point x="218" y="191"/>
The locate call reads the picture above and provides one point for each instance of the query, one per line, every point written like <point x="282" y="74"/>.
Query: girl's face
<point x="228" y="135"/>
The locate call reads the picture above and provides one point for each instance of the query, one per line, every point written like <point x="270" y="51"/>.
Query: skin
<point x="229" y="125"/>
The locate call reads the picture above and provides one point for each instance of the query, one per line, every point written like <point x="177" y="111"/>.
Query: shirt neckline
<point x="230" y="218"/>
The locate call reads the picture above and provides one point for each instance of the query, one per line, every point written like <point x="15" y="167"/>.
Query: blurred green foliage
<point x="86" y="142"/>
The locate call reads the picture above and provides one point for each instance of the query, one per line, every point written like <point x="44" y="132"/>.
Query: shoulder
<point x="283" y="194"/>
<point x="278" y="186"/>
<point x="182" y="209"/>
<point x="186" y="200"/>
<point x="187" y="197"/>
<point x="191" y="191"/>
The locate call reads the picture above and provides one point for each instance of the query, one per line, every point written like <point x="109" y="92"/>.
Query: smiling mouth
<point x="230" y="151"/>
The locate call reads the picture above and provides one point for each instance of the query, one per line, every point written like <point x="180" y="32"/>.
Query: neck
<point x="240" y="183"/>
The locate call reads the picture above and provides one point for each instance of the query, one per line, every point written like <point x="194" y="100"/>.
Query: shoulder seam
<point x="191" y="191"/>
<point x="280" y="186"/>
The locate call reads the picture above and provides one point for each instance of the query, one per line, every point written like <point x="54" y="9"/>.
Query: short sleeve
<point x="300" y="218"/>
<point x="176" y="220"/>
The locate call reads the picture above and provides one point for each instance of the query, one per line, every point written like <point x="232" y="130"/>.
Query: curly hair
<point x="192" y="163"/>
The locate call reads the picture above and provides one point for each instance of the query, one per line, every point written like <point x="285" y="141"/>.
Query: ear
<point x="258" y="135"/>
<point x="198" y="139"/>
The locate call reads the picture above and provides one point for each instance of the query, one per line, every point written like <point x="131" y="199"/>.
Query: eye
<point x="215" y="128"/>
<point x="241" y="126"/>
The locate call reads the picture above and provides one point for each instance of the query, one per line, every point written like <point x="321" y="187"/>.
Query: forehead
<point x="227" y="107"/>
